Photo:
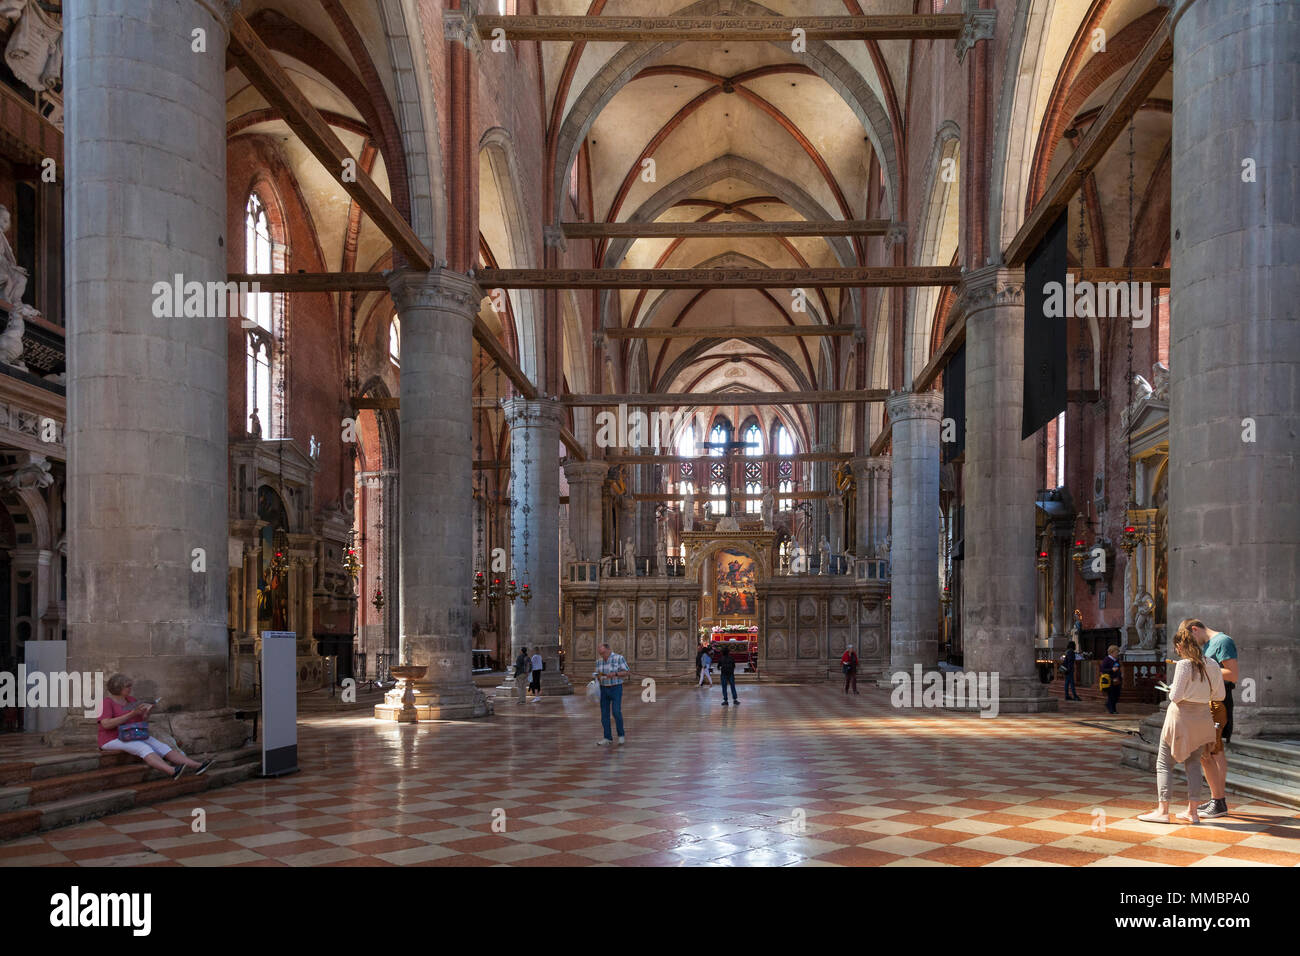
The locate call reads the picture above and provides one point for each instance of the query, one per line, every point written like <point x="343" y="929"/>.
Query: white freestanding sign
<point x="46" y="658"/>
<point x="279" y="703"/>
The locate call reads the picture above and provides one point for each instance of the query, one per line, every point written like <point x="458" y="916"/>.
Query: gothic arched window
<point x="785" y="469"/>
<point x="261" y="256"/>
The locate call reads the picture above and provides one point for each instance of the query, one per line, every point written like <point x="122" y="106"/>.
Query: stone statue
<point x="850" y="562"/>
<point x="661" y="557"/>
<point x="34" y="52"/>
<point x="11" y="340"/>
<point x="254" y="425"/>
<point x="769" y="508"/>
<point x="13" y="277"/>
<point x="688" y="510"/>
<point x="606" y="562"/>
<point x="1144" y="621"/>
<point x="570" y="553"/>
<point x="629" y="558"/>
<point x="1076" y="627"/>
<point x="1160" y="381"/>
<point x="824" y="549"/>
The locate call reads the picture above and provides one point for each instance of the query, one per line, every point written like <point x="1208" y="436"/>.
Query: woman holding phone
<point x="120" y="710"/>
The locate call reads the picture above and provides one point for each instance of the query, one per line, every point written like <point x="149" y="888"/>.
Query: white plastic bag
<point x="593" y="690"/>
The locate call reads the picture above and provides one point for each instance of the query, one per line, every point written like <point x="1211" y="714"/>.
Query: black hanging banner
<point x="1046" y="353"/>
<point x="954" y="406"/>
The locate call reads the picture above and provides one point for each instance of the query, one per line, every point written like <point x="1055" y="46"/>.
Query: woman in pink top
<point x="1188" y="727"/>
<point x="120" y="708"/>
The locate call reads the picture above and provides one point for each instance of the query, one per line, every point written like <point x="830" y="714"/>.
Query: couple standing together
<point x="1198" y="722"/>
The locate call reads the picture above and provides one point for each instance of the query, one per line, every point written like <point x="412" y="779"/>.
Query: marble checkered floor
<point x="798" y="775"/>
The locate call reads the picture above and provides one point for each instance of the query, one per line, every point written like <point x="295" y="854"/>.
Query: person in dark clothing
<point x="523" y="673"/>
<point x="699" y="655"/>
<point x="727" y="665"/>
<point x="1110" y="667"/>
<point x="1071" y="692"/>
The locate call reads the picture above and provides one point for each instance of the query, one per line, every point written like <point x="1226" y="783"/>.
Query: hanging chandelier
<point x="280" y="553"/>
<point x="1139" y="528"/>
<point x="479" y="586"/>
<point x="1042" y="562"/>
<point x="378" y="599"/>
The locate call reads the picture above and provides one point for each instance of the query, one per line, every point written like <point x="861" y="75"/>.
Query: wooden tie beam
<point x="261" y="68"/>
<point x="685" y="460"/>
<point x="846" y="278"/>
<point x="727" y="398"/>
<point x="1151" y="64"/>
<point x="728" y="332"/>
<point x="701" y="230"/>
<point x="938" y="26"/>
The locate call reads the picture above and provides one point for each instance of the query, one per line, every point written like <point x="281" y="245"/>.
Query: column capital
<point x="458" y="26"/>
<point x="578" y="472"/>
<point x="912" y="405"/>
<point x="222" y="11"/>
<point x="990" y="286"/>
<point x="870" y="463"/>
<point x="533" y="413"/>
<point x="441" y="289"/>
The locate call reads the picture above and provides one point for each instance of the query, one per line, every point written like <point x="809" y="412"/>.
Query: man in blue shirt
<point x="610" y="670"/>
<point x="1218" y="647"/>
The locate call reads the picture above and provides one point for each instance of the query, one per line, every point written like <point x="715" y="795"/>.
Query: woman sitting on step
<point x="124" y="725"/>
<point x="1188" y="727"/>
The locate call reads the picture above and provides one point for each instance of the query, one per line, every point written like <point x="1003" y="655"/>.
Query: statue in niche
<point x="688" y="510"/>
<point x="661" y="556"/>
<point x="1144" y="621"/>
<point x="606" y="562"/>
<point x="824" y="550"/>
<point x="254" y="425"/>
<point x="12" y="275"/>
<point x="629" y="558"/>
<point x="768" y="508"/>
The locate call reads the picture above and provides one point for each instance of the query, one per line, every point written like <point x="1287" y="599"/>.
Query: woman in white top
<point x="1188" y="728"/>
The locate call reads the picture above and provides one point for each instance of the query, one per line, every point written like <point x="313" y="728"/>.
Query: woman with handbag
<point x="1188" y="726"/>
<point x="124" y="726"/>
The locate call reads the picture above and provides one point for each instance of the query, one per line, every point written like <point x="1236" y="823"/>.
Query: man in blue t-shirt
<point x="1218" y="647"/>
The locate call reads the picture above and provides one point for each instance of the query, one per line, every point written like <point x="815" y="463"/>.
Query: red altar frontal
<point x="741" y="641"/>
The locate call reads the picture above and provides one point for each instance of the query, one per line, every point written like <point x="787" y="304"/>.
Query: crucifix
<point x="728" y="447"/>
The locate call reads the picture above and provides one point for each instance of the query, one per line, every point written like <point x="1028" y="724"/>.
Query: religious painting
<point x="737" y="595"/>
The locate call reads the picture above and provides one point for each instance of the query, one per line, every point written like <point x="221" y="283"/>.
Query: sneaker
<point x="621" y="741"/>
<point x="736" y="701"/>
<point x="603" y="742"/>
<point x="180" y="769"/>
<point x="1154" y="817"/>
<point x="203" y="767"/>
<point x="1215" y="808"/>
<point x="724" y="703"/>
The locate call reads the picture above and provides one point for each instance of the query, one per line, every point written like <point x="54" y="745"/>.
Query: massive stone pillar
<point x="437" y="312"/>
<point x="586" y="479"/>
<point x="145" y="174"/>
<point x="534" y="532"/>
<point x="1234" y="494"/>
<point x="914" y="622"/>
<point x="999" y="576"/>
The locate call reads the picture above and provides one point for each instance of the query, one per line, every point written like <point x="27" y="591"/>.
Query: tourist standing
<point x="699" y="655"/>
<point x="610" y="671"/>
<point x="1067" y="668"/>
<point x="1188" y="727"/>
<point x="706" y="662"/>
<point x="523" y="674"/>
<point x="849" y="664"/>
<point x="536" y="685"/>
<point x="1222" y="650"/>
<point x="1110" y="668"/>
<point x="727" y="668"/>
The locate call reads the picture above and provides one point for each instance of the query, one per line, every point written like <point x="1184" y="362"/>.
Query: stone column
<point x="1234" y="492"/>
<point x="147" y="470"/>
<point x="535" y="533"/>
<point x="437" y="311"/>
<point x="585" y="481"/>
<point x="999" y="574"/>
<point x="914" y="628"/>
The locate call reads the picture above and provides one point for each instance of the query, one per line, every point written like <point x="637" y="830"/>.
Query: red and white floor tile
<point x="797" y="775"/>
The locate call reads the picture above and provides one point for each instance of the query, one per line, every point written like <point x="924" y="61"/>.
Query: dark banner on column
<point x="954" y="406"/>
<point x="1046" y="354"/>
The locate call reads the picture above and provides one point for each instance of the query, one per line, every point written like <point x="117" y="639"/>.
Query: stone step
<point x="1282" y="752"/>
<point x="1258" y="779"/>
<point x="13" y="772"/>
<point x="58" y="801"/>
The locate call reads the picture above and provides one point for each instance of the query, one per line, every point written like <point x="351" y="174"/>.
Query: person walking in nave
<point x="727" y="670"/>
<point x="706" y="663"/>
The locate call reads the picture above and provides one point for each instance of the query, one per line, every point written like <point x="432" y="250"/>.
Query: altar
<point x="732" y="590"/>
